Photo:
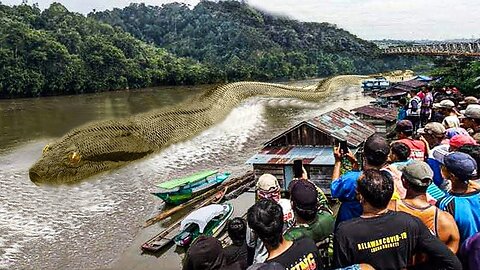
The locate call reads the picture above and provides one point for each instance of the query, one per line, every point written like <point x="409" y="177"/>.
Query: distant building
<point x="383" y="119"/>
<point x="312" y="141"/>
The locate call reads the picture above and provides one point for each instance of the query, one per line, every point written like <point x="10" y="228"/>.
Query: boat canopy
<point x="202" y="216"/>
<point x="186" y="180"/>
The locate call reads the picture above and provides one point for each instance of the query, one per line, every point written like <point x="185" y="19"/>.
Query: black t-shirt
<point x="388" y="242"/>
<point x="303" y="254"/>
<point x="237" y="254"/>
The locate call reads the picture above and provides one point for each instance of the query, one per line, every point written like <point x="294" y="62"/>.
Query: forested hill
<point x="59" y="52"/>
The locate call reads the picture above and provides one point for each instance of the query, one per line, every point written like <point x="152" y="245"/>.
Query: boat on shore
<point x="209" y="220"/>
<point x="178" y="191"/>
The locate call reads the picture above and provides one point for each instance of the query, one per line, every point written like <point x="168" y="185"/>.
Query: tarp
<point x="203" y="215"/>
<point x="186" y="180"/>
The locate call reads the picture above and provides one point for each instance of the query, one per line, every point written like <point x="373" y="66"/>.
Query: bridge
<point x="468" y="49"/>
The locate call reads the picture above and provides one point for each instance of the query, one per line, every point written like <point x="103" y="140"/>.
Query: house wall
<point x="303" y="135"/>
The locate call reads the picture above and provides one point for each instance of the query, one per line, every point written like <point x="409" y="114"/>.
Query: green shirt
<point x="318" y="230"/>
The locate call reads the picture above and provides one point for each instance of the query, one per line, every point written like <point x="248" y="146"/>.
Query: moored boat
<point x="180" y="190"/>
<point x="208" y="220"/>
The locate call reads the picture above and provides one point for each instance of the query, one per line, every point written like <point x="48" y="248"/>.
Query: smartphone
<point x="297" y="168"/>
<point x="343" y="147"/>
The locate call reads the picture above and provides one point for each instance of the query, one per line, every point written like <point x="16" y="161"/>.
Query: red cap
<point x="460" y="140"/>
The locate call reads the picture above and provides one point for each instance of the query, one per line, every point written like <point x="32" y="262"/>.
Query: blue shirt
<point x="465" y="209"/>
<point x="344" y="189"/>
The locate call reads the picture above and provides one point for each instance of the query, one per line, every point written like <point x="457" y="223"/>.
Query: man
<point x="414" y="110"/>
<point x="399" y="156"/>
<point x="427" y="102"/>
<point x="266" y="219"/>
<point x="463" y="200"/>
<point x="382" y="238"/>
<point x="418" y="148"/>
<point x="237" y="251"/>
<point x="268" y="188"/>
<point x="206" y="253"/>
<point x="310" y="222"/>
<point x="417" y="176"/>
<point x="458" y="141"/>
<point x="375" y="155"/>
<point x="446" y="108"/>
<point x="469" y="253"/>
<point x="471" y="121"/>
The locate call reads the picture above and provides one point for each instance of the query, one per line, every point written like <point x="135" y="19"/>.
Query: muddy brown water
<point x="97" y="223"/>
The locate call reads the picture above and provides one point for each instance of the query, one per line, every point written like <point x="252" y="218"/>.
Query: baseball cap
<point x="267" y="182"/>
<point x="417" y="173"/>
<point x="469" y="100"/>
<point x="439" y="152"/>
<point x="404" y="126"/>
<point x="206" y="252"/>
<point x="462" y="165"/>
<point x="433" y="128"/>
<point x="451" y="122"/>
<point x="304" y="195"/>
<point x="446" y="103"/>
<point x="472" y="111"/>
<point x="460" y="140"/>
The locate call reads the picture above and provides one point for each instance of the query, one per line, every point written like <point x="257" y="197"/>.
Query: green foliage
<point x="462" y="73"/>
<point x="59" y="52"/>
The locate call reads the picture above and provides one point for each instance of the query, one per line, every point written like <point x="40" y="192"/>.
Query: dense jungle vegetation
<point x="55" y="51"/>
<point x="462" y="73"/>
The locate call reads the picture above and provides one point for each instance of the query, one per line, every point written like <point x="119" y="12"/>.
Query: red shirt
<point x="418" y="148"/>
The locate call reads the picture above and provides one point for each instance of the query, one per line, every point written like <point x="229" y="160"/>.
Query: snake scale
<point x="104" y="145"/>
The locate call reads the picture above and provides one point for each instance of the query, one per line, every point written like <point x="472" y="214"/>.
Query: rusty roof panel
<point x="393" y="92"/>
<point x="387" y="114"/>
<point x="413" y="83"/>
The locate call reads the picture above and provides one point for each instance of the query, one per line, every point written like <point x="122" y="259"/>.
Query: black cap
<point x="304" y="195"/>
<point x="206" y="252"/>
<point x="404" y="126"/>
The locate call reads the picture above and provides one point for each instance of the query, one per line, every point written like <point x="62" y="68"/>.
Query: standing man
<point x="418" y="148"/>
<point x="471" y="121"/>
<point x="427" y="102"/>
<point x="414" y="110"/>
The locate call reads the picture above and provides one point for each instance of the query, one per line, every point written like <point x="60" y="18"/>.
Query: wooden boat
<point x="208" y="220"/>
<point x="178" y="191"/>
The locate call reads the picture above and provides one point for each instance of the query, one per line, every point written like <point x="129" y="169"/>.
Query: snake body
<point x="104" y="145"/>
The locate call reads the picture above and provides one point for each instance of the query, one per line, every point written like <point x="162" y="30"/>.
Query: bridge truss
<point x="470" y="49"/>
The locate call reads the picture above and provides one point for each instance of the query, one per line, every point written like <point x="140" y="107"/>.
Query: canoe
<point x="208" y="220"/>
<point x="180" y="190"/>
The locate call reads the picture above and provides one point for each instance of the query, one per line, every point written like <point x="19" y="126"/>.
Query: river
<point x="94" y="224"/>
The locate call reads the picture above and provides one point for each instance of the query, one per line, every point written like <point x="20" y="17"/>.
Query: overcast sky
<point x="368" y="19"/>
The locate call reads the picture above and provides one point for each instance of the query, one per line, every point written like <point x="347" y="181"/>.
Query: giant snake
<point x="104" y="145"/>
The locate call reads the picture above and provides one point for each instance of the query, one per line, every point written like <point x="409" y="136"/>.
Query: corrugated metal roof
<point x="287" y="154"/>
<point x="388" y="114"/>
<point x="343" y="125"/>
<point x="413" y="83"/>
<point x="392" y="92"/>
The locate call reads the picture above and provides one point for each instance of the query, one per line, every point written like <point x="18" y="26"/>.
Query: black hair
<point x="376" y="187"/>
<point x="265" y="218"/>
<point x="407" y="133"/>
<point x="298" y="168"/>
<point x="237" y="230"/>
<point x="418" y="189"/>
<point x="402" y="101"/>
<point x="473" y="151"/>
<point x="401" y="150"/>
<point x="305" y="214"/>
<point x="376" y="150"/>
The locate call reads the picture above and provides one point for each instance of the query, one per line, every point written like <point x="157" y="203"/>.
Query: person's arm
<point x="448" y="231"/>
<point x="438" y="253"/>
<point x="338" y="163"/>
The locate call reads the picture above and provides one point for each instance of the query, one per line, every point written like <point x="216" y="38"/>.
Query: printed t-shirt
<point x="465" y="209"/>
<point x="303" y="254"/>
<point x="388" y="242"/>
<point x="417" y="148"/>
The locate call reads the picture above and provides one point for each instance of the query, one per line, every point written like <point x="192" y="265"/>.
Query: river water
<point x="93" y="224"/>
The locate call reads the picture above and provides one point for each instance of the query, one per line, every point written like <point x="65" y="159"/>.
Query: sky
<point x="368" y="19"/>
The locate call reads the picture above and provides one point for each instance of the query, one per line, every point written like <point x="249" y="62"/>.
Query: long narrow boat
<point x="209" y="220"/>
<point x="180" y="190"/>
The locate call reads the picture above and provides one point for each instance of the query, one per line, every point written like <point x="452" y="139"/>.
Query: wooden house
<point x="312" y="141"/>
<point x="384" y="119"/>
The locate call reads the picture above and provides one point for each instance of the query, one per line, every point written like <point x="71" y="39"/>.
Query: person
<point x="474" y="152"/>
<point x="206" y="253"/>
<point x="427" y="102"/>
<point x="375" y="155"/>
<point x="414" y="110"/>
<point x="310" y="222"/>
<point x="446" y="108"/>
<point x="399" y="156"/>
<point x="468" y="101"/>
<point x="267" y="187"/>
<point x="265" y="218"/>
<point x="433" y="134"/>
<point x="382" y="238"/>
<point x="405" y="131"/>
<point x="471" y="121"/>
<point x="463" y="200"/>
<point x="469" y="253"/>
<point x="458" y="141"/>
<point x="237" y="251"/>
<point x="402" y="109"/>
<point x="416" y="177"/>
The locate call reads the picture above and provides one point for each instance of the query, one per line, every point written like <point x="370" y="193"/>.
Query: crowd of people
<point x="411" y="201"/>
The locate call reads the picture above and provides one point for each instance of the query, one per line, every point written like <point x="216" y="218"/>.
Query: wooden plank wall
<point x="304" y="135"/>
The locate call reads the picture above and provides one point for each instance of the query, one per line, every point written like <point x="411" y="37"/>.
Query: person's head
<point x="237" y="230"/>
<point x="460" y="140"/>
<point x="268" y="188"/>
<point x="427" y="89"/>
<point x="451" y="122"/>
<point x="304" y="198"/>
<point x="375" y="187"/>
<point x="433" y="133"/>
<point x="416" y="176"/>
<point x="471" y="117"/>
<point x="376" y="150"/>
<point x="265" y="218"/>
<point x="446" y="106"/>
<point x="399" y="152"/>
<point x="205" y="253"/>
<point x="404" y="129"/>
<point x="459" y="167"/>
<point x="473" y="151"/>
<point x="402" y="102"/>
